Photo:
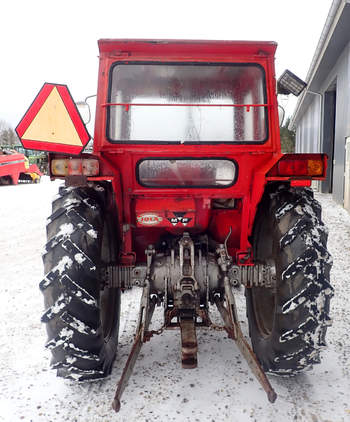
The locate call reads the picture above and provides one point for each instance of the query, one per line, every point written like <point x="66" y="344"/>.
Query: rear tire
<point x="288" y="324"/>
<point x="82" y="317"/>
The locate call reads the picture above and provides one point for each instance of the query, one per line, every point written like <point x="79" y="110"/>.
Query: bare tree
<point x="8" y="136"/>
<point x="3" y="125"/>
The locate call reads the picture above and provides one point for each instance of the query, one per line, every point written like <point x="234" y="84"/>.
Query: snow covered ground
<point x="220" y="389"/>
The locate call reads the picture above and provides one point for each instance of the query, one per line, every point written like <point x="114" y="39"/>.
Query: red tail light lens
<point x="289" y="167"/>
<point x="300" y="165"/>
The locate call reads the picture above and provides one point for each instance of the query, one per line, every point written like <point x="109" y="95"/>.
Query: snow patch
<point x="56" y="308"/>
<point x="64" y="335"/>
<point x="79" y="258"/>
<point x="55" y="197"/>
<point x="92" y="233"/>
<point x="64" y="264"/>
<point x="89" y="203"/>
<point x="65" y="230"/>
<point x="79" y="375"/>
<point x="293" y="303"/>
<point x="85" y="354"/>
<point x="79" y="325"/>
<point x="69" y="202"/>
<point x="283" y="210"/>
<point x="71" y="360"/>
<point x="78" y="291"/>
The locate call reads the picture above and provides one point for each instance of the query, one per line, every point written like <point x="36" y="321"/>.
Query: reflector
<point x="300" y="165"/>
<point x="315" y="167"/>
<point x="53" y="123"/>
<point x="74" y="166"/>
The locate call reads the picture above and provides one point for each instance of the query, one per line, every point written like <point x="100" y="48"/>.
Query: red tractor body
<point x="15" y="168"/>
<point x="147" y="210"/>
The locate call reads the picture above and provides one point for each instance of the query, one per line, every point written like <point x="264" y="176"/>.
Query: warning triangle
<point x="52" y="123"/>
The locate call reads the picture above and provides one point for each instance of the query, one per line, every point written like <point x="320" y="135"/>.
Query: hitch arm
<point x="145" y="316"/>
<point x="232" y="326"/>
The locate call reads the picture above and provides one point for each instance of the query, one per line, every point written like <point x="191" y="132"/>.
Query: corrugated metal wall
<point x="308" y="129"/>
<point x="308" y="126"/>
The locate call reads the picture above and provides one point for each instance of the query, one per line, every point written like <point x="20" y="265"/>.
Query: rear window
<point x="187" y="103"/>
<point x="186" y="172"/>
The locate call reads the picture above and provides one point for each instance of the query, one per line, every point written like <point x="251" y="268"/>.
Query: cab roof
<point x="147" y="47"/>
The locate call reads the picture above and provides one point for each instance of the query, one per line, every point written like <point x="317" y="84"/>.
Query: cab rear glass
<point x="187" y="103"/>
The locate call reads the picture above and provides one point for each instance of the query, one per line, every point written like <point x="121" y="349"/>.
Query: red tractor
<point x="188" y="195"/>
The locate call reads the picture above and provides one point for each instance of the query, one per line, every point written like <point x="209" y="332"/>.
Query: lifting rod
<point x="145" y="316"/>
<point x="232" y="326"/>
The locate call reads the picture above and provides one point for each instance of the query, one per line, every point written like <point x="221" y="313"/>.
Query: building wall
<point x="341" y="75"/>
<point x="308" y="128"/>
<point x="308" y="137"/>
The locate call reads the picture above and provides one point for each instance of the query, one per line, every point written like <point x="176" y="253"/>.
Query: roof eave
<point x="334" y="14"/>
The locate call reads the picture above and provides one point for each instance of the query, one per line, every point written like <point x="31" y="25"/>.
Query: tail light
<point x="300" y="165"/>
<point x="75" y="166"/>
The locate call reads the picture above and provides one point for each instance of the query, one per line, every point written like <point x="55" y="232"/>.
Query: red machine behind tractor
<point x="188" y="195"/>
<point x="15" y="168"/>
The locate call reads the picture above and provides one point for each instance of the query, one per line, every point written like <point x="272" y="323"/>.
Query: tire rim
<point x="109" y="300"/>
<point x="264" y="303"/>
<point x="109" y="296"/>
<point x="264" y="299"/>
